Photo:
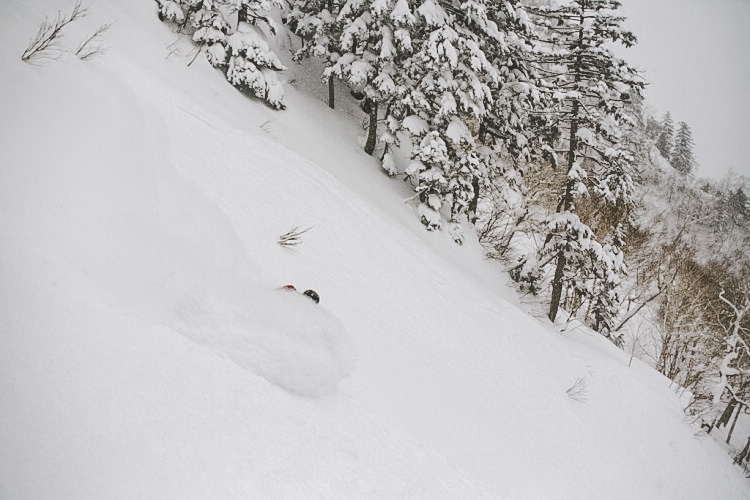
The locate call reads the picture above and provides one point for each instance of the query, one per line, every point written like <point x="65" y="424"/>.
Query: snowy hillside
<point x="147" y="351"/>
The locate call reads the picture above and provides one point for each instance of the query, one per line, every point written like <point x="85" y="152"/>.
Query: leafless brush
<point x="578" y="391"/>
<point x="89" y="47"/>
<point x="173" y="48"/>
<point x="293" y="237"/>
<point x="197" y="53"/>
<point x="266" y="127"/>
<point x="49" y="33"/>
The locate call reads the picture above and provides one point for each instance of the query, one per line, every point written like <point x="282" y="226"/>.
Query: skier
<point x="311" y="294"/>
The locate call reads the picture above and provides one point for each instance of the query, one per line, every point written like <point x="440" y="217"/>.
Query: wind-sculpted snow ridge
<point x="282" y="336"/>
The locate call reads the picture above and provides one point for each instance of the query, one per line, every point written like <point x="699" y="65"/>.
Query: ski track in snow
<point x="282" y="336"/>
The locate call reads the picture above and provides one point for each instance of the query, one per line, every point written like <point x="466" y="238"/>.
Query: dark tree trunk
<point x="567" y="202"/>
<point x="372" y="133"/>
<point x="241" y="15"/>
<point x="726" y="415"/>
<point x="331" y="93"/>
<point x="734" y="422"/>
<point x="557" y="286"/>
<point x="474" y="200"/>
<point x="744" y="454"/>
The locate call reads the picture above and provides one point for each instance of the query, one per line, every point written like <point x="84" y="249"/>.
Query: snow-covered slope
<point x="148" y="352"/>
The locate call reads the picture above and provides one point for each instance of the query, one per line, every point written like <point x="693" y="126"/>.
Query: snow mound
<point x="280" y="335"/>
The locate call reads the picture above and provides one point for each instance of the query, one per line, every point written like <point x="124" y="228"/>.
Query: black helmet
<point x="313" y="295"/>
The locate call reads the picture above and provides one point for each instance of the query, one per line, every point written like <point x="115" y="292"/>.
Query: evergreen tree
<point x="426" y="74"/>
<point x="315" y="22"/>
<point x="393" y="82"/>
<point x="682" y="153"/>
<point x="255" y="11"/>
<point x="251" y="65"/>
<point x="451" y="78"/>
<point x="375" y="42"/>
<point x="653" y="128"/>
<point x="608" y="266"/>
<point x="665" y="140"/>
<point x="509" y="118"/>
<point x="364" y="44"/>
<point x="589" y="88"/>
<point x="244" y="54"/>
<point x="738" y="202"/>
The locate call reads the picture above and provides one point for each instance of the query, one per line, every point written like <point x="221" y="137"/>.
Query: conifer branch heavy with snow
<point x="242" y="53"/>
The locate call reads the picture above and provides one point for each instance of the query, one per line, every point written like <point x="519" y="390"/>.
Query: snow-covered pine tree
<point x="364" y="44"/>
<point x="375" y="41"/>
<point x="425" y="74"/>
<point x="211" y="30"/>
<point x="244" y="54"/>
<point x="315" y="22"/>
<point x="608" y="264"/>
<point x="509" y="115"/>
<point x="450" y="91"/>
<point x="255" y="11"/>
<point x="652" y="129"/>
<point x="738" y="204"/>
<point x="205" y="20"/>
<point x="393" y="82"/>
<point x="665" y="140"/>
<point x="251" y="65"/>
<point x="174" y="11"/>
<point x="682" y="153"/>
<point x="512" y="133"/>
<point x="589" y="87"/>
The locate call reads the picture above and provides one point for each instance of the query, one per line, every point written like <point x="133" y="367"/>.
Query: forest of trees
<point x="516" y="118"/>
<point x="677" y="147"/>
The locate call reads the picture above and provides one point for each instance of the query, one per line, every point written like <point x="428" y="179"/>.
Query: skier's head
<point x="313" y="295"/>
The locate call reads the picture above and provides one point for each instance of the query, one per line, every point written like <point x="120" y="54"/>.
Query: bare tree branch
<point x="49" y="33"/>
<point x="85" y="48"/>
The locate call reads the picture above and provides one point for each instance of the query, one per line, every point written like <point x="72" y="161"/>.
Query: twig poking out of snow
<point x="578" y="391"/>
<point x="87" y="48"/>
<point x="49" y="33"/>
<point x="293" y="237"/>
<point x="266" y="126"/>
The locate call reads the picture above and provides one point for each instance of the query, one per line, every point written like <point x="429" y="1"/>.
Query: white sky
<point x="696" y="54"/>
